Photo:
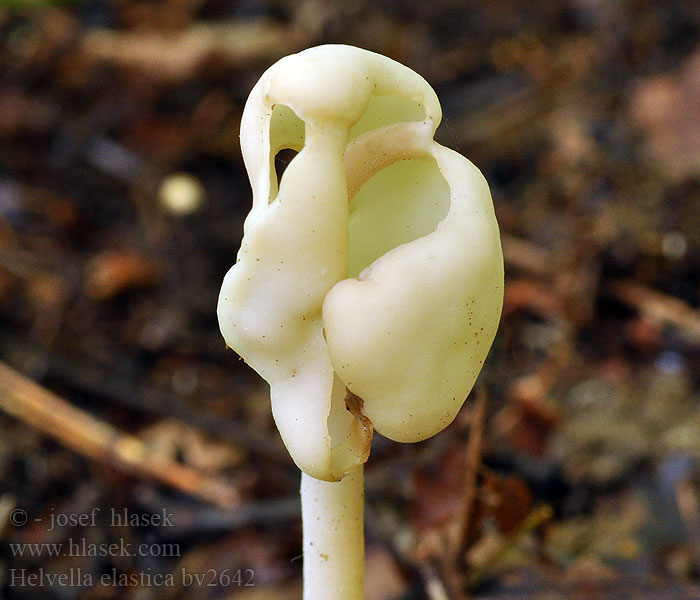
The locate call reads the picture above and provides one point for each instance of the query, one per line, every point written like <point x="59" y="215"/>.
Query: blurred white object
<point x="181" y="194"/>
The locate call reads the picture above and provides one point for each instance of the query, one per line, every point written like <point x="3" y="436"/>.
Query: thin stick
<point x="523" y="254"/>
<point x="99" y="441"/>
<point x="537" y="517"/>
<point x="474" y="448"/>
<point x="435" y="588"/>
<point x="658" y="306"/>
<point x="96" y="380"/>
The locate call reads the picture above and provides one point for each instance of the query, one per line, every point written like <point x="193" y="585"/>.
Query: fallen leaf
<point x="667" y="109"/>
<point x="115" y="272"/>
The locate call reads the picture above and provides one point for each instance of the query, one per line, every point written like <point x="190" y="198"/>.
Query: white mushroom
<point x="370" y="279"/>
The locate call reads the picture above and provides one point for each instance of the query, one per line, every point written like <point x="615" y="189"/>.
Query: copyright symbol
<point x="18" y="517"/>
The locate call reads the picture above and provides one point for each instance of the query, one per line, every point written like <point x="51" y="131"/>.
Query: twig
<point x="99" y="441"/>
<point x="658" y="306"/>
<point x="501" y="108"/>
<point x="89" y="377"/>
<point x="434" y="587"/>
<point x="537" y="517"/>
<point x="474" y="449"/>
<point x="176" y="55"/>
<point x="523" y="254"/>
<point x="667" y="310"/>
<point x="213" y="521"/>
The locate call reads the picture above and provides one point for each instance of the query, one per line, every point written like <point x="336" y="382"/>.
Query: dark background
<point x="584" y="116"/>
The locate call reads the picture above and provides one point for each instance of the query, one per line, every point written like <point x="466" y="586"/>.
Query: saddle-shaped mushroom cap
<point x="369" y="283"/>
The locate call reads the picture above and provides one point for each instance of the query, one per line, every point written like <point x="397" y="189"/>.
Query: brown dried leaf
<point x="667" y="109"/>
<point x="440" y="490"/>
<point x="507" y="499"/>
<point x="528" y="420"/>
<point x="115" y="272"/>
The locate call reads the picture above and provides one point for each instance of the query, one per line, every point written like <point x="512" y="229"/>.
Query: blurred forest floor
<point x="122" y="198"/>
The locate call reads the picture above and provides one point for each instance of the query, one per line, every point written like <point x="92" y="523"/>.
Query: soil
<point x="143" y="452"/>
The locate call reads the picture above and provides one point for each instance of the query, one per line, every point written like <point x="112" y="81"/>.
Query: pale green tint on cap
<point x="376" y="267"/>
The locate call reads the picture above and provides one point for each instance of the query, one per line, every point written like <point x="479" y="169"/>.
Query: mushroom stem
<point x="334" y="549"/>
